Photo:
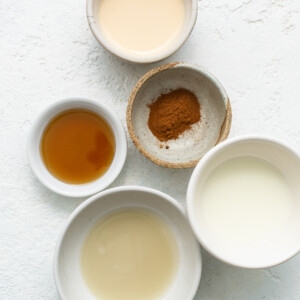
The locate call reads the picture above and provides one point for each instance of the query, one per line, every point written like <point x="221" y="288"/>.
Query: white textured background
<point x="47" y="53"/>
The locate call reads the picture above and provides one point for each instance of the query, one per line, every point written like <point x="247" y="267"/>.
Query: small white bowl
<point x="69" y="281"/>
<point x="191" y="10"/>
<point x="36" y="161"/>
<point x="285" y="243"/>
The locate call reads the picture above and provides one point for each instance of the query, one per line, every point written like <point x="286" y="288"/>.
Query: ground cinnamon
<point x="173" y="113"/>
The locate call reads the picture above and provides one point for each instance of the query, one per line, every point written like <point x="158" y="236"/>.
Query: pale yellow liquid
<point x="129" y="255"/>
<point x="141" y="25"/>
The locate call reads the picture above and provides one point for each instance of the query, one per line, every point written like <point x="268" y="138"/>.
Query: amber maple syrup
<point x="77" y="146"/>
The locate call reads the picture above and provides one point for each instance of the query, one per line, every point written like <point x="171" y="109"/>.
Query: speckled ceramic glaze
<point x="188" y="149"/>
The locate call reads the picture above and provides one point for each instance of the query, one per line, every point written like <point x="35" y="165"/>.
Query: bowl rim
<point x="98" y="197"/>
<point x="147" y="59"/>
<point x="225" y="128"/>
<point x="71" y="190"/>
<point x="195" y="177"/>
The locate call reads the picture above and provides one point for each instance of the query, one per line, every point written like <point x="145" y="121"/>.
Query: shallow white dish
<point x="36" y="161"/>
<point x="286" y="241"/>
<point x="67" y="273"/>
<point x="191" y="9"/>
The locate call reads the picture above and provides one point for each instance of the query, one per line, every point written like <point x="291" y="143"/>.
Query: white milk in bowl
<point x="244" y="201"/>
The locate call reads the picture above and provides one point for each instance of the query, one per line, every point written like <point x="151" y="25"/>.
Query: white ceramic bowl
<point x="36" y="161"/>
<point x="191" y="9"/>
<point x="285" y="243"/>
<point x="68" y="278"/>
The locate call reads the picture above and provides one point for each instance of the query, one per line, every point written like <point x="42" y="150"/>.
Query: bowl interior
<point x="277" y="248"/>
<point x="193" y="144"/>
<point x="67" y="259"/>
<point x="191" y="8"/>
<point x="36" y="161"/>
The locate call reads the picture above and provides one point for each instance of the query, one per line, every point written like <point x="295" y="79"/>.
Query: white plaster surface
<point x="48" y="53"/>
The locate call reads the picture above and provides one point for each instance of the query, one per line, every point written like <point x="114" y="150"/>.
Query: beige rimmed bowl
<point x="191" y="146"/>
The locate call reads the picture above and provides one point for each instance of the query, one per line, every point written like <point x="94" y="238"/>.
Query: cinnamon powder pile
<point x="173" y="113"/>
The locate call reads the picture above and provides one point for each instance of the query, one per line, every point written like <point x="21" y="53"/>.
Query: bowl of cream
<point x="141" y="31"/>
<point x="243" y="202"/>
<point x="128" y="243"/>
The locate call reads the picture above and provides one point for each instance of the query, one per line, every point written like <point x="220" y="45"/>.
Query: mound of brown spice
<point x="173" y="113"/>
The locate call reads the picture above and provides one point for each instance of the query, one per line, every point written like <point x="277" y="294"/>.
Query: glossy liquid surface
<point x="141" y="25"/>
<point x="77" y="146"/>
<point x="129" y="255"/>
<point x="245" y="201"/>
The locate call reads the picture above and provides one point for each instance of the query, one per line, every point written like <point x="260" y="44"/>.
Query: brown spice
<point x="173" y="113"/>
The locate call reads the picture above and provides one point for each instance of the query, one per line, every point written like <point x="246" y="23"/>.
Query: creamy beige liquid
<point x="129" y="255"/>
<point x="141" y="25"/>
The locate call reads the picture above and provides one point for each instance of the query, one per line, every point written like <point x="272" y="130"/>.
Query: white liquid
<point x="129" y="255"/>
<point x="141" y="25"/>
<point x="245" y="201"/>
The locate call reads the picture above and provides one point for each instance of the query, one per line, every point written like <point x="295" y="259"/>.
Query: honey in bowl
<point x="77" y="146"/>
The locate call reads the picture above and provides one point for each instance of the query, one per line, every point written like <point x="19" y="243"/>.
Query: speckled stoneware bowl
<point x="189" y="148"/>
